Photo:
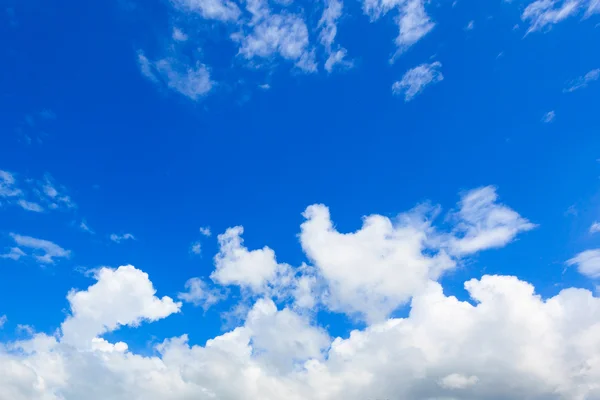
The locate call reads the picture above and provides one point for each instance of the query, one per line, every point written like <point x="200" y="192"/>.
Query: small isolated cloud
<point x="3" y="320"/>
<point x="470" y="26"/>
<point x="417" y="79"/>
<point x="192" y="81"/>
<point x="8" y="187"/>
<point x="44" y="251"/>
<point x="84" y="227"/>
<point x="196" y="248"/>
<point x="119" y="238"/>
<point x="199" y="294"/>
<point x="549" y="117"/>
<point x="595" y="228"/>
<point x="178" y="35"/>
<point x="30" y="206"/>
<point x="14" y="253"/>
<point x="583" y="81"/>
<point x="544" y="13"/>
<point x="205" y="230"/>
<point x="587" y="262"/>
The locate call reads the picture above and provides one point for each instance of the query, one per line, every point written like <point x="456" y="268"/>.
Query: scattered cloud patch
<point x="14" y="253"/>
<point x="328" y="25"/>
<point x="221" y="10"/>
<point x="179" y="35"/>
<point x="205" y="231"/>
<point x="417" y="79"/>
<point x="119" y="238"/>
<point x="196" y="248"/>
<point x="549" y="117"/>
<point x="3" y="320"/>
<point x="30" y="205"/>
<point x="583" y="81"/>
<point x="85" y="227"/>
<point x="544" y="13"/>
<point x="587" y="262"/>
<point x="595" y="228"/>
<point x="44" y="251"/>
<point x="270" y="34"/>
<point x="470" y="26"/>
<point x="200" y="294"/>
<point x="192" y="81"/>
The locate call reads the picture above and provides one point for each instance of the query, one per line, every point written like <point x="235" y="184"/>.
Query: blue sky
<point x="145" y="135"/>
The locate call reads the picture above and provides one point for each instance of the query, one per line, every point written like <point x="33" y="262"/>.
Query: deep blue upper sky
<point x="136" y="156"/>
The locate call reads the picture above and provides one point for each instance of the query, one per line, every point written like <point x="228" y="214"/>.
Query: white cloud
<point x="254" y="270"/>
<point x="43" y="250"/>
<point x="272" y="34"/>
<point x="413" y="21"/>
<point x="55" y="198"/>
<point x="328" y="25"/>
<point x="583" y="81"/>
<point x="417" y="79"/>
<point x="483" y="223"/>
<point x="30" y="206"/>
<point x="593" y="8"/>
<point x="8" y="186"/>
<point x="509" y="344"/>
<point x="372" y="271"/>
<point x="587" y="262"/>
<point x="205" y="230"/>
<point x="595" y="228"/>
<point x="15" y="254"/>
<point x="544" y="13"/>
<point x="470" y="26"/>
<point x="222" y="10"/>
<point x="549" y="117"/>
<point x="120" y="297"/>
<point x="3" y="320"/>
<point x="196" y="248"/>
<point x="178" y="35"/>
<point x="192" y="81"/>
<point x="200" y="294"/>
<point x="84" y="227"/>
<point x="119" y="238"/>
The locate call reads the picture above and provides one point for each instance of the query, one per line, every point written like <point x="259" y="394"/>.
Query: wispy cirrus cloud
<point x="583" y="81"/>
<point x="43" y="251"/>
<point x="417" y="79"/>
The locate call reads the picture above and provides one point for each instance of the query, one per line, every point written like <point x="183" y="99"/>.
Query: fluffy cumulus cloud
<point x="417" y="79"/>
<point x="505" y="342"/>
<point x="120" y="297"/>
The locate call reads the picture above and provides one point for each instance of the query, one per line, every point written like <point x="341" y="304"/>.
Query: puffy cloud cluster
<point x="509" y="344"/>
<point x="505" y="342"/>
